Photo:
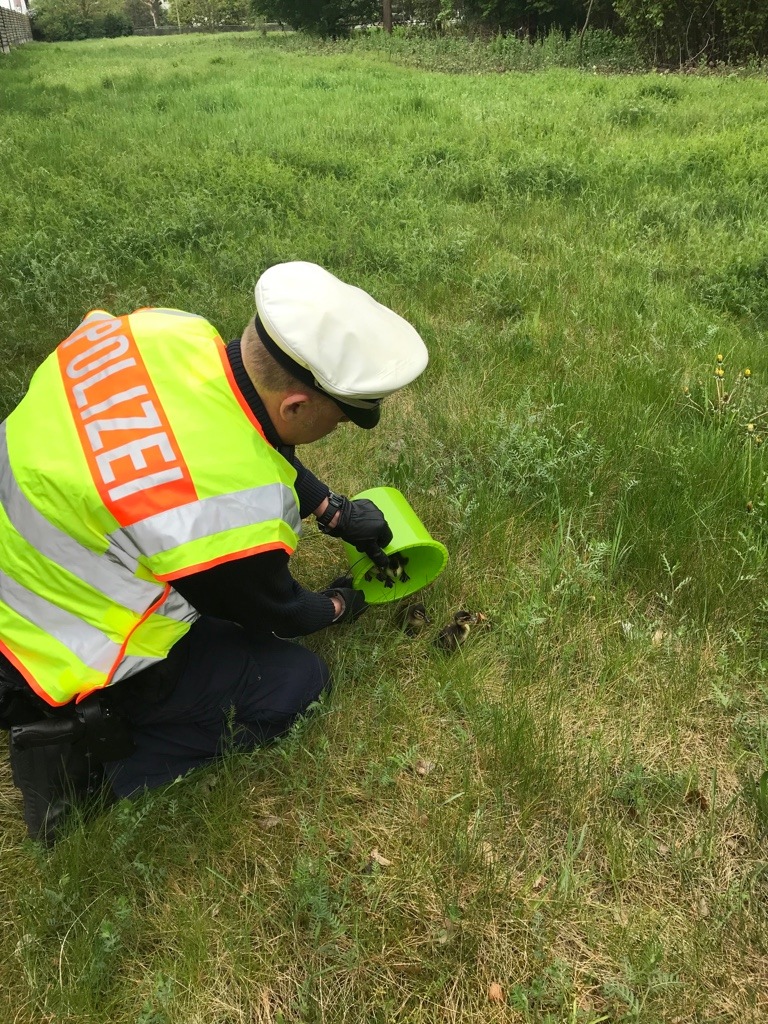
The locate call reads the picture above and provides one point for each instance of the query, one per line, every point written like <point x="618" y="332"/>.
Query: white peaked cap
<point x="336" y="338"/>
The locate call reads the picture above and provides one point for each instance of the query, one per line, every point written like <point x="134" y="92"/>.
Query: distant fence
<point x="174" y="30"/>
<point x="15" y="28"/>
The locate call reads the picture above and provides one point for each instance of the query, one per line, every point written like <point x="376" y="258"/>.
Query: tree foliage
<point x="210" y="13"/>
<point x="321" y="17"/>
<point x="80" y="19"/>
<point x="665" y="31"/>
<point x="682" y="30"/>
<point x="145" y="13"/>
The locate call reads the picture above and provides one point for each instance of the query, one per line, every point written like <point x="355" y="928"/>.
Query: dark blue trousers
<point x="230" y="692"/>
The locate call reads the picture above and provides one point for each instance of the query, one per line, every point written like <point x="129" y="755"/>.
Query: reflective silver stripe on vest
<point x="178" y="608"/>
<point x="174" y="607"/>
<point x="209" y="516"/>
<point x="130" y="665"/>
<point x="85" y="642"/>
<point x="172" y="312"/>
<point x="111" y="573"/>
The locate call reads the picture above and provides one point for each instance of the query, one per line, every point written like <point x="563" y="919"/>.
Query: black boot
<point x="52" y="779"/>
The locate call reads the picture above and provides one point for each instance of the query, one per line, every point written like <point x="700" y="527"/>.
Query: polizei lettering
<point x="129" y="445"/>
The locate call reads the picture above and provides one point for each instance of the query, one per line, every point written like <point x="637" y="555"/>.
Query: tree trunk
<point x="387" y="16"/>
<point x="586" y="22"/>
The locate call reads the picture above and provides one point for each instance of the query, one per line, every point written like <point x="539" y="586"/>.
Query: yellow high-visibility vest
<point x="133" y="460"/>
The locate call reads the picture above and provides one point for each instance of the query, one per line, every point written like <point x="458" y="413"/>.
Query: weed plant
<point x="564" y="821"/>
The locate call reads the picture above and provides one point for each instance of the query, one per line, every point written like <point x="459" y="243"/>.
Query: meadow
<point x="565" y="821"/>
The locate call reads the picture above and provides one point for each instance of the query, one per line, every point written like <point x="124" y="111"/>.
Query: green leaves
<point x="329" y="18"/>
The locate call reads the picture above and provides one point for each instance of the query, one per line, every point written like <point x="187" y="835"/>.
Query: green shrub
<point x="680" y="31"/>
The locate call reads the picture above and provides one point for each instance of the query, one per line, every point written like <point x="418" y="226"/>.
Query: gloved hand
<point x="362" y="524"/>
<point x="353" y="600"/>
<point x="341" y="582"/>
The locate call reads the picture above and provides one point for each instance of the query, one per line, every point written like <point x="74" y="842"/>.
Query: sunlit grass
<point x="571" y="806"/>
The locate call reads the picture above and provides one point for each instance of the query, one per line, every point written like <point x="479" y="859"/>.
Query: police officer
<point x="151" y="499"/>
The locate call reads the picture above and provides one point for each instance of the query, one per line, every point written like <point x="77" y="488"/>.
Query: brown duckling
<point x="452" y="636"/>
<point x="413" y="618"/>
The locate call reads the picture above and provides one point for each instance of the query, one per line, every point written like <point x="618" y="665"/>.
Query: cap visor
<point x="365" y="418"/>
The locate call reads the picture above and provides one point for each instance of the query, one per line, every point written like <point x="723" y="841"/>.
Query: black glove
<point x="354" y="603"/>
<point x="341" y="582"/>
<point x="360" y="523"/>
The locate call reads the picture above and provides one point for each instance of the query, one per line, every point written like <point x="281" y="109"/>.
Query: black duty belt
<point x="103" y="733"/>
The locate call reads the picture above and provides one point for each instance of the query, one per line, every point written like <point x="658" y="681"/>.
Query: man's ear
<point x="292" y="406"/>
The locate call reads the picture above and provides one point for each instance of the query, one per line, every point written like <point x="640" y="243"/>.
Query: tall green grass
<point x="572" y="806"/>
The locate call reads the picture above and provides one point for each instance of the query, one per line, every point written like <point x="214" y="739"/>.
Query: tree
<point x="683" y="30"/>
<point x="431" y="13"/>
<point x="210" y="13"/>
<point x="80" y="19"/>
<point x="531" y="17"/>
<point x="321" y="17"/>
<point x="144" y="13"/>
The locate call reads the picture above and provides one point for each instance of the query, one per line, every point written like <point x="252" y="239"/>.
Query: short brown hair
<point x="262" y="368"/>
<point x="268" y="375"/>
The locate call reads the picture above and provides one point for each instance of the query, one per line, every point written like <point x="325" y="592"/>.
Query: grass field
<point x="565" y="821"/>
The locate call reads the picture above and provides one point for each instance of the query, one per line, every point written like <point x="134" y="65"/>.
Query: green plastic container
<point x="426" y="557"/>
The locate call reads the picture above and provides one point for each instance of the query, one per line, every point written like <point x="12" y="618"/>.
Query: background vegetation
<point x="670" y="32"/>
<point x="565" y="821"/>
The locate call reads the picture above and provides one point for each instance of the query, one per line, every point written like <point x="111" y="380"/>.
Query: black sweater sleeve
<point x="259" y="593"/>
<point x="309" y="489"/>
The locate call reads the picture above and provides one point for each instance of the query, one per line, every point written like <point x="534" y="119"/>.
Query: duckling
<point x="393" y="573"/>
<point x="413" y="618"/>
<point x="452" y="636"/>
